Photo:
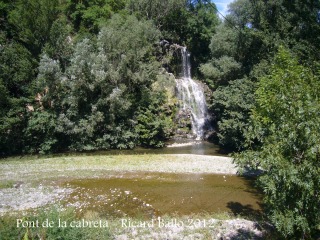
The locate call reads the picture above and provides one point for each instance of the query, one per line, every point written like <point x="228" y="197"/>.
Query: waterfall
<point x="192" y="98"/>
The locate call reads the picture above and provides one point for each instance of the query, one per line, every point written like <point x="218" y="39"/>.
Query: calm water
<point x="153" y="194"/>
<point x="182" y="147"/>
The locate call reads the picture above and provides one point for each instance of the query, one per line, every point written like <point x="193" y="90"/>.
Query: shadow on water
<point x="248" y="210"/>
<point x="245" y="210"/>
<point x="173" y="147"/>
<point x="156" y="194"/>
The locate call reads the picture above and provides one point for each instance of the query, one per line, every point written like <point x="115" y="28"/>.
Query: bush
<point x="232" y="105"/>
<point x="286" y="121"/>
<point x="154" y="124"/>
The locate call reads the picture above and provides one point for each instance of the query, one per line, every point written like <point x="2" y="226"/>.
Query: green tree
<point x="292" y="23"/>
<point x="31" y="22"/>
<point x="16" y="73"/>
<point x="6" y="7"/>
<point x="154" y="121"/>
<point x="232" y="109"/>
<point x="286" y="122"/>
<point x="188" y="23"/>
<point x="231" y="73"/>
<point x="155" y="10"/>
<point x="91" y="15"/>
<point x="95" y="99"/>
<point x="60" y="41"/>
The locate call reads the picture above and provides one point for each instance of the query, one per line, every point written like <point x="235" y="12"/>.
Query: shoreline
<point x="36" y="181"/>
<point x="14" y="169"/>
<point x="31" y="184"/>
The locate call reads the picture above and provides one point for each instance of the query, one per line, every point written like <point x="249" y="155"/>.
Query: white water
<point x="192" y="98"/>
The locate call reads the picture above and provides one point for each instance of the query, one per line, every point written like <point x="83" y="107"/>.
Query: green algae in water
<point x="155" y="194"/>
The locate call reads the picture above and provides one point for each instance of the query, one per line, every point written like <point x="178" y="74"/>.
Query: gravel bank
<point x="180" y="228"/>
<point x="191" y="163"/>
<point x="95" y="166"/>
<point x="31" y="183"/>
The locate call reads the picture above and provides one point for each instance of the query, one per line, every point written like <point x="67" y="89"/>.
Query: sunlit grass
<point x="7" y="184"/>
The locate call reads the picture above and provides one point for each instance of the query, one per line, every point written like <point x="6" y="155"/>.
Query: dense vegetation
<point x="286" y="122"/>
<point x="265" y="75"/>
<point x="86" y="75"/>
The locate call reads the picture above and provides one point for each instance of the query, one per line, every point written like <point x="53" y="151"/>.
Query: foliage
<point x="16" y="73"/>
<point x="232" y="109"/>
<point x="82" y="68"/>
<point x="74" y="73"/>
<point x="59" y="44"/>
<point x="40" y="133"/>
<point x="9" y="229"/>
<point x="12" y="123"/>
<point x="294" y="23"/>
<point x="199" y="22"/>
<point x="154" y="124"/>
<point x="231" y="73"/>
<point x="286" y="121"/>
<point x="291" y="23"/>
<point x="96" y="98"/>
<point x="188" y="23"/>
<point x="220" y="71"/>
<point x="247" y="40"/>
<point x="156" y="11"/>
<point x="16" y="68"/>
<point x="31" y="21"/>
<point x="91" y="15"/>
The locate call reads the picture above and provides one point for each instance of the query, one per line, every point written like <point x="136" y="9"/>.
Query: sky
<point x="222" y="5"/>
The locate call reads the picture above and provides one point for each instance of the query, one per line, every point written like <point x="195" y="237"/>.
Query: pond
<point x="154" y="194"/>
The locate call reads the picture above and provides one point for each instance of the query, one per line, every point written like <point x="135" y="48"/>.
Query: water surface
<point x="181" y="147"/>
<point x="155" y="194"/>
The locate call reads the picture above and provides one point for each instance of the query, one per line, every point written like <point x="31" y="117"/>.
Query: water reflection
<point x="174" y="147"/>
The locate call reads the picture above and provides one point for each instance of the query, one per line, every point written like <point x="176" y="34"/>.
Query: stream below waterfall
<point x="150" y="194"/>
<point x="174" y="146"/>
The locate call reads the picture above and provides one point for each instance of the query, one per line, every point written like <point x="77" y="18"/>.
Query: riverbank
<point x="64" y="225"/>
<point x="34" y="169"/>
<point x="35" y="182"/>
<point x="31" y="183"/>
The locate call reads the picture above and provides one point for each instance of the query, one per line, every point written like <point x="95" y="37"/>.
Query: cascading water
<point x="192" y="98"/>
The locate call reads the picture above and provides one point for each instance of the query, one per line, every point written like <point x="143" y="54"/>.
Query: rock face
<point x="184" y="125"/>
<point x="193" y="109"/>
<point x="192" y="120"/>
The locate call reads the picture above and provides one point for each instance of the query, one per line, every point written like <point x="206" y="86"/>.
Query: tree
<point x="97" y="99"/>
<point x="91" y="15"/>
<point x="292" y="23"/>
<point x="16" y="73"/>
<point x="60" y="41"/>
<point x="286" y="122"/>
<point x="31" y="21"/>
<point x="6" y="7"/>
<point x="232" y="109"/>
<point x="236" y="52"/>
<point x="155" y="10"/>
<point x="188" y="23"/>
<point x="154" y="121"/>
